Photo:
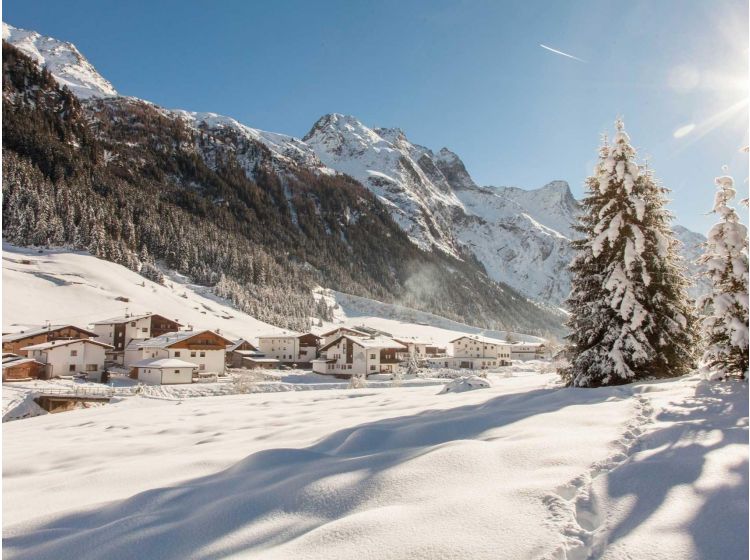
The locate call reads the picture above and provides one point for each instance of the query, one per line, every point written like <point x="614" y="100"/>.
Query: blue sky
<point x="469" y="75"/>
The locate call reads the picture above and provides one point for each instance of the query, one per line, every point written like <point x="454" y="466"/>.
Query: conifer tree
<point x="630" y="314"/>
<point x="725" y="308"/>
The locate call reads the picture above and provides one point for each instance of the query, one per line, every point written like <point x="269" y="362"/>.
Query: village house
<point x="290" y="348"/>
<point x="238" y="350"/>
<point x="70" y="357"/>
<point x="16" y="341"/>
<point x="259" y="361"/>
<point x="205" y="349"/>
<point x="330" y="336"/>
<point x="526" y="351"/>
<point x="354" y="355"/>
<point x="420" y="349"/>
<point x="164" y="371"/>
<point x="476" y="352"/>
<point x="17" y="368"/>
<point x="120" y="331"/>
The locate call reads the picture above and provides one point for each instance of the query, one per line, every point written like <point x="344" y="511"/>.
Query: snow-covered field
<point x="522" y="469"/>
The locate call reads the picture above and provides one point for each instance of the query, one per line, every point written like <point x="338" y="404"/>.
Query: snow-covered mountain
<point x="68" y="66"/>
<point x="520" y="236"/>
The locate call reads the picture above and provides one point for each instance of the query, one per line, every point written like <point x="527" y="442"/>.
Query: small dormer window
<point x="132" y="324"/>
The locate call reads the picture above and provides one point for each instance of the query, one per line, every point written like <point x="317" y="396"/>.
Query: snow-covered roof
<point x="18" y="362"/>
<point x="164" y="363"/>
<point x="237" y="344"/>
<point x="482" y="339"/>
<point x="66" y="342"/>
<point x="282" y="334"/>
<point x="127" y="319"/>
<point x="414" y="341"/>
<point x="262" y="360"/>
<point x="348" y="329"/>
<point x="373" y="342"/>
<point x="168" y="339"/>
<point x="41" y="330"/>
<point x="249" y="353"/>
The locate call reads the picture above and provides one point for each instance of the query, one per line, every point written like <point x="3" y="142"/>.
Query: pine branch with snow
<point x="630" y="317"/>
<point x="725" y="308"/>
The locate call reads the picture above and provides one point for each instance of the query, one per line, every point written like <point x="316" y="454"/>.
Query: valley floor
<point x="523" y="469"/>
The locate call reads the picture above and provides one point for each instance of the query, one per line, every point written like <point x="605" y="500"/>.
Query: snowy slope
<point x="74" y="287"/>
<point x="68" y="66"/>
<point x="522" y="470"/>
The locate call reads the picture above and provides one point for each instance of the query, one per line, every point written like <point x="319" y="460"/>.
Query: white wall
<point x="283" y="348"/>
<point x="60" y="358"/>
<point x="165" y="376"/>
<point x="213" y="361"/>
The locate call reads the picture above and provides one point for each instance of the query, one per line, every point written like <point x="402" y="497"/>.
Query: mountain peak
<point x="63" y="60"/>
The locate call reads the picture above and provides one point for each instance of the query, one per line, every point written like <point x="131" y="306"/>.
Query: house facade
<point x="238" y="350"/>
<point x="477" y="352"/>
<point x="205" y="349"/>
<point x="164" y="371"/>
<point x="290" y="348"/>
<point x="121" y="331"/>
<point x="354" y="355"/>
<point x="29" y="337"/>
<point x="420" y="349"/>
<point x="70" y="357"/>
<point x="526" y="351"/>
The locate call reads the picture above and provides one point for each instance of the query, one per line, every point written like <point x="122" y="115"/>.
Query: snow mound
<point x="466" y="383"/>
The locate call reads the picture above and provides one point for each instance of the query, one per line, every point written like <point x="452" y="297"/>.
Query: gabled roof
<point x="129" y="318"/>
<point x="403" y="340"/>
<point x="42" y="330"/>
<point x="66" y="342"/>
<point x="169" y="339"/>
<point x="482" y="339"/>
<point x="348" y="329"/>
<point x="164" y="363"/>
<point x="19" y="361"/>
<point x="238" y="343"/>
<point x="380" y="342"/>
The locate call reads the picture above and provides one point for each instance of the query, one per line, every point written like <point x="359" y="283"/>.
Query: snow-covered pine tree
<point x="630" y="316"/>
<point x="725" y="308"/>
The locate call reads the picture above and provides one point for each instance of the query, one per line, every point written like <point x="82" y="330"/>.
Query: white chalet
<point x="69" y="357"/>
<point x="354" y="355"/>
<point x="289" y="347"/>
<point x="473" y="351"/>
<point x="420" y="349"/>
<point x="120" y="331"/>
<point x="164" y="371"/>
<point x="206" y="349"/>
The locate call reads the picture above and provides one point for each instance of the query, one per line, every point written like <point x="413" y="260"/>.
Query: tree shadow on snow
<point x="219" y="514"/>
<point x="715" y="418"/>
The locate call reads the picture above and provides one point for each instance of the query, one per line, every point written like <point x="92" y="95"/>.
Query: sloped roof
<point x="379" y="342"/>
<point x="128" y="318"/>
<point x="482" y="339"/>
<point x="238" y="343"/>
<point x="349" y="329"/>
<point x="19" y="361"/>
<point x="67" y="342"/>
<point x="42" y="330"/>
<point x="168" y="339"/>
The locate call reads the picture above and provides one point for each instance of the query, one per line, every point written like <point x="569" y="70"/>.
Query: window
<point x="177" y="354"/>
<point x="91" y="367"/>
<point x="192" y="354"/>
<point x="349" y="366"/>
<point x="372" y="356"/>
<point x="203" y="354"/>
<point x="74" y="352"/>
<point x="72" y="367"/>
<point x="372" y="368"/>
<point x="132" y="324"/>
<point x="144" y="329"/>
<point x="202" y="367"/>
<point x="177" y="371"/>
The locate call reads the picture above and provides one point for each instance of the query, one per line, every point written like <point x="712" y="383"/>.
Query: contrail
<point x="562" y="53"/>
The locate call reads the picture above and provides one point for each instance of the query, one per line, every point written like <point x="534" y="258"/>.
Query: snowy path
<point x="520" y="470"/>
